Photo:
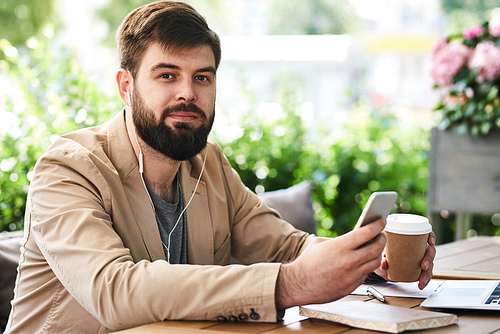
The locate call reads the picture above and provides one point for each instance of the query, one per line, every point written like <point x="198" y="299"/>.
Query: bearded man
<point x="135" y="221"/>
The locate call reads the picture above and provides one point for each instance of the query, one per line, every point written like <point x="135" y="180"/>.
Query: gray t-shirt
<point x="167" y="215"/>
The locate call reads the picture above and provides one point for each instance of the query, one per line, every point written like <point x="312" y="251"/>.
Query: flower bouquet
<point x="466" y="68"/>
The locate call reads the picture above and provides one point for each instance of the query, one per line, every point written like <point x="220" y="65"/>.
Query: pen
<point x="374" y="293"/>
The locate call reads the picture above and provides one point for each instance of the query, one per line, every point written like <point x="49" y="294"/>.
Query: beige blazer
<point x="92" y="260"/>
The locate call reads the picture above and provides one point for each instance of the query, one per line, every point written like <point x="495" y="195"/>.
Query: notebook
<point x="466" y="294"/>
<point x="378" y="316"/>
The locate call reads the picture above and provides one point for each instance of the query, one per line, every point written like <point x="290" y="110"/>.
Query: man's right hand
<point x="329" y="269"/>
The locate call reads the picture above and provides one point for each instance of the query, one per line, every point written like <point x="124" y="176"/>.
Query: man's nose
<point x="186" y="91"/>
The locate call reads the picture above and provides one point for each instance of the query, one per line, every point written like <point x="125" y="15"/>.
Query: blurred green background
<point x="377" y="148"/>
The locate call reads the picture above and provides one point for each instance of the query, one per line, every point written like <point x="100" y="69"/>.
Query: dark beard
<point x="179" y="143"/>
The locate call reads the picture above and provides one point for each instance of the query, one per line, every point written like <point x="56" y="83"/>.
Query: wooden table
<point x="469" y="321"/>
<point x="475" y="258"/>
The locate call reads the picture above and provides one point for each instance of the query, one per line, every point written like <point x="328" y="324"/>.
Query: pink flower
<point x="439" y="45"/>
<point x="494" y="26"/>
<point x="448" y="60"/>
<point x="473" y="32"/>
<point x="486" y="57"/>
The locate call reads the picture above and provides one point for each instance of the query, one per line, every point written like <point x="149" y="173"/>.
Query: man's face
<point x="173" y="100"/>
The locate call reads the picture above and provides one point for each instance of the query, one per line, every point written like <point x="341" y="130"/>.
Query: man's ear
<point x="124" y="81"/>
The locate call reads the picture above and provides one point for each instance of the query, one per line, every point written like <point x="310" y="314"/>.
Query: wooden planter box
<point x="464" y="176"/>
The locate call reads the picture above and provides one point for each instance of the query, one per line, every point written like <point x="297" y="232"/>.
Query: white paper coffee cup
<point x="407" y="236"/>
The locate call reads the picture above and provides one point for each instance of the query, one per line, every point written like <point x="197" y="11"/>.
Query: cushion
<point x="294" y="204"/>
<point x="10" y="250"/>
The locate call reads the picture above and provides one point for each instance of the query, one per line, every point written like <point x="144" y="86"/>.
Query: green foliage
<point x="461" y="14"/>
<point x="49" y="95"/>
<point x="375" y="151"/>
<point x="22" y="19"/>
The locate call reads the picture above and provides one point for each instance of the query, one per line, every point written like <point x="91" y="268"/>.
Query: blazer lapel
<point x="200" y="233"/>
<point x="144" y="217"/>
<point x="122" y="155"/>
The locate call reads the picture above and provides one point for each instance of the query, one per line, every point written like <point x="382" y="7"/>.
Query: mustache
<point x="187" y="107"/>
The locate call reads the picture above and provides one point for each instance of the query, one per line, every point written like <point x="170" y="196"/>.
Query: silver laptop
<point x="466" y="294"/>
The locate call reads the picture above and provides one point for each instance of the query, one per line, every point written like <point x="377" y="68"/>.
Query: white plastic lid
<point x="404" y="223"/>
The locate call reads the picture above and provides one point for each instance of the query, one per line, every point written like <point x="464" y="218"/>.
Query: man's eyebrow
<point x="160" y="66"/>
<point x="210" y="69"/>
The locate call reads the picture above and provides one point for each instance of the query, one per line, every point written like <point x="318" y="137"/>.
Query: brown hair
<point x="174" y="25"/>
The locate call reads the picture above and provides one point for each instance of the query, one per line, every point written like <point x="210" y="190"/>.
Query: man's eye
<point x="167" y="76"/>
<point x="202" y="78"/>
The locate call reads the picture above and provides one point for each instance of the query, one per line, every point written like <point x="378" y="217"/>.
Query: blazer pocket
<point x="223" y="254"/>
